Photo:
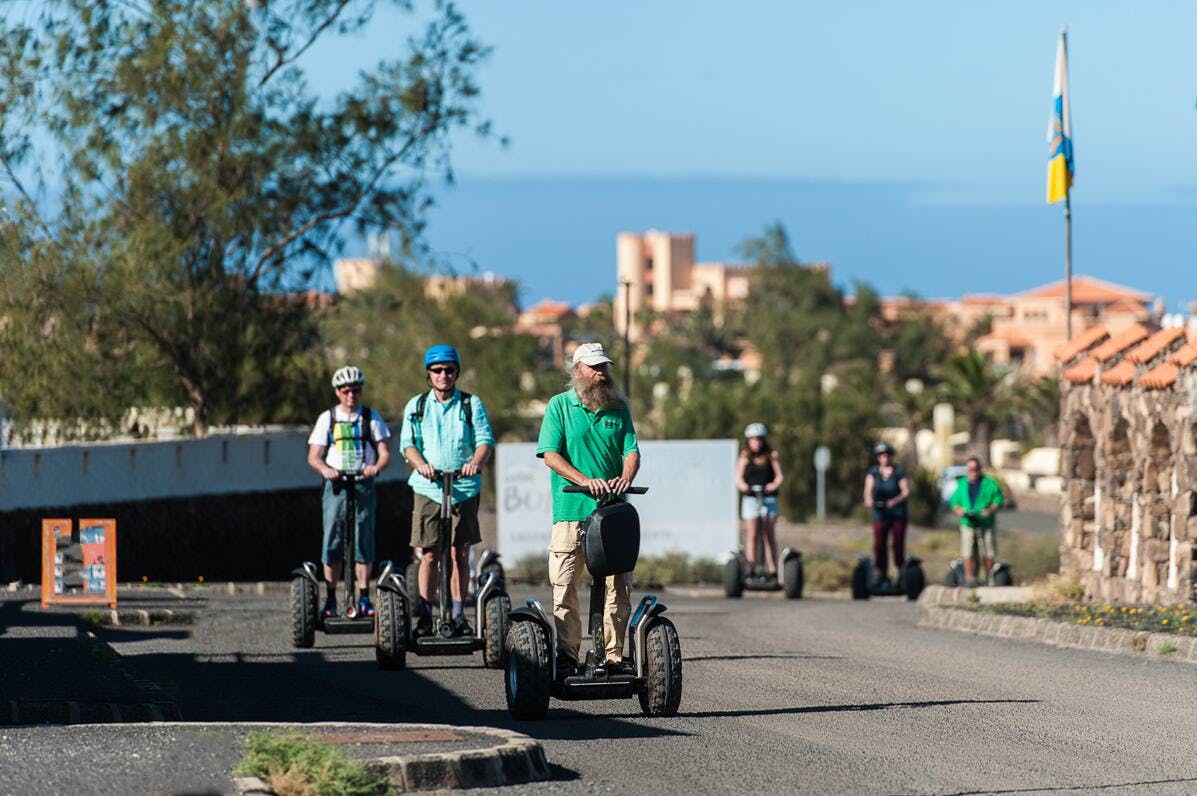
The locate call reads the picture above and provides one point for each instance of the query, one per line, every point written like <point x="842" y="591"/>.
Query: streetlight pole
<point x="627" y="346"/>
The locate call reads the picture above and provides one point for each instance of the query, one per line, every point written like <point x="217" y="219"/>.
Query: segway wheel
<point x="733" y="579"/>
<point x="527" y="673"/>
<point x="915" y="580"/>
<point x="497" y="608"/>
<point x="860" y="582"/>
<point x="412" y="576"/>
<point x="1002" y="577"/>
<point x="662" y="692"/>
<point x="390" y="631"/>
<point x="793" y="577"/>
<point x="303" y="612"/>
<point x="950" y="580"/>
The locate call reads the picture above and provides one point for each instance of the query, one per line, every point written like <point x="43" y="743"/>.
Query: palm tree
<point x="977" y="393"/>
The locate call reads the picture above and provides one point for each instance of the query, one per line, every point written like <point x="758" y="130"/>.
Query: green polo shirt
<point x="593" y="442"/>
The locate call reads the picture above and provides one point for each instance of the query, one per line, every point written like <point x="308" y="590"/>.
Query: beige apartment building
<point x="657" y="272"/>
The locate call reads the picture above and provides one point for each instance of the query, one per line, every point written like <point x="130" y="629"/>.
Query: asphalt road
<point x="817" y="696"/>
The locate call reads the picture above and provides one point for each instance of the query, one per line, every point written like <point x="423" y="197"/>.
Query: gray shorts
<point x="986" y="540"/>
<point x="425" y="522"/>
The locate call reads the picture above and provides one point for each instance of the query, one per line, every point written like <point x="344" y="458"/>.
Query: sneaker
<point x="462" y="627"/>
<point x="330" y="608"/>
<point x="621" y="666"/>
<point x="364" y="606"/>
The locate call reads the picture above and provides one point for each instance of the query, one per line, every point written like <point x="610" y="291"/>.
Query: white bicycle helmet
<point x="348" y="375"/>
<point x="756" y="430"/>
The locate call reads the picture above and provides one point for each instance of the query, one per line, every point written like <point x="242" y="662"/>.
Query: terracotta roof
<point x="1120" y="342"/>
<point x="1087" y="290"/>
<point x="1186" y="354"/>
<point x="556" y="309"/>
<point x="1120" y="375"/>
<point x="979" y="300"/>
<point x="1159" y="377"/>
<point x="1079" y="374"/>
<point x="1150" y="348"/>
<point x="1013" y="337"/>
<point x="1129" y="307"/>
<point x="1086" y="339"/>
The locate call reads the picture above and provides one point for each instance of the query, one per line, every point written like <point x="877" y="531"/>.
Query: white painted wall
<point x="691" y="505"/>
<point x="105" y="473"/>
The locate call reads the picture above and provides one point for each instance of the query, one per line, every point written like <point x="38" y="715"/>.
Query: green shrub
<point x="674" y="568"/>
<point x="532" y="570"/>
<point x="294" y="764"/>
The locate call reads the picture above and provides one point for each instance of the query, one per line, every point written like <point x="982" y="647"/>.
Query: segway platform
<point x="910" y="583"/>
<point x="345" y="624"/>
<point x="458" y="645"/>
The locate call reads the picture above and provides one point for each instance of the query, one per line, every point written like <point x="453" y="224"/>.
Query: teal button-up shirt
<point x="446" y="442"/>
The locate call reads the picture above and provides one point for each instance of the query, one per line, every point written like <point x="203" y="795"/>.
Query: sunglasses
<point x="439" y="371"/>
<point x="350" y="388"/>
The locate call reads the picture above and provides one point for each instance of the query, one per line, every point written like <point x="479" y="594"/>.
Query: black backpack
<point x="417" y="417"/>
<point x="610" y="539"/>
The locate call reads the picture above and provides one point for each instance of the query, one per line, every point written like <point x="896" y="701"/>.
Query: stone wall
<point x="1129" y="463"/>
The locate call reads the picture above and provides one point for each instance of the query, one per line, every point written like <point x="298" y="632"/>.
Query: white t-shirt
<point x="348" y="443"/>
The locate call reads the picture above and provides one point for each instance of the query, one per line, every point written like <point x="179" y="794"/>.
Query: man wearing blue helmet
<point x="445" y="429"/>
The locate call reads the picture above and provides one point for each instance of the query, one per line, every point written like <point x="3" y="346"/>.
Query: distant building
<point x="1026" y="328"/>
<point x="656" y="271"/>
<point x="353" y="274"/>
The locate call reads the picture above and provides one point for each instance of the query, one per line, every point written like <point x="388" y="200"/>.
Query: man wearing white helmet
<point x="348" y="437"/>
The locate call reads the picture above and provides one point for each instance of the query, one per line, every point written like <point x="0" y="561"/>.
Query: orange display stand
<point x="79" y="566"/>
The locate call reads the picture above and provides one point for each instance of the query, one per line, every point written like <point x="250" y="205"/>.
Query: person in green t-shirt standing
<point x="976" y="501"/>
<point x="587" y="438"/>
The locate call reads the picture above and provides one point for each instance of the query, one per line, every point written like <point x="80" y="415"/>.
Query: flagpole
<point x="1067" y="220"/>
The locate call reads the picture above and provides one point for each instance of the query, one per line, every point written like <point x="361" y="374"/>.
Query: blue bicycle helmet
<point x="441" y="353"/>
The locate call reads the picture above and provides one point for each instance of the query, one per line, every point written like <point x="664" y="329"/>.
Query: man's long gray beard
<point x="597" y="394"/>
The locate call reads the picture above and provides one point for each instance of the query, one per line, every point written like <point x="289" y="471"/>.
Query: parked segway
<point x="305" y="581"/>
<point x="739" y="577"/>
<point x="491" y="608"/>
<point x="610" y="539"/>
<point x="1000" y="575"/>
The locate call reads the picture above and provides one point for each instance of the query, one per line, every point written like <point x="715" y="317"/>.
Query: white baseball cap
<point x="590" y="354"/>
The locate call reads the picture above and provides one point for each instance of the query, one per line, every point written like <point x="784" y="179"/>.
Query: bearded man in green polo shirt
<point x="587" y="438"/>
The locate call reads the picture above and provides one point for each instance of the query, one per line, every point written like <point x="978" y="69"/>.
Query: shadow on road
<point x="763" y="657"/>
<point x="717" y="714"/>
<point x="1059" y="788"/>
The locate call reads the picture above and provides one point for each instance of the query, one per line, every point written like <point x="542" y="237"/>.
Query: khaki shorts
<point x="426" y="517"/>
<point x="986" y="539"/>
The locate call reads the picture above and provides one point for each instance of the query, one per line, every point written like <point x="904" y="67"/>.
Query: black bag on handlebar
<point x="610" y="539"/>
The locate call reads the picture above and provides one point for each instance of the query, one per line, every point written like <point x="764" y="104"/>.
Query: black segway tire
<point x="950" y="580"/>
<point x="527" y="673"/>
<point x="390" y="631"/>
<point x="662" y="692"/>
<point x="915" y="580"/>
<point x="497" y="608"/>
<point x="412" y="576"/>
<point x="1003" y="577"/>
<point x="733" y="579"/>
<point x="303" y="612"/>
<point x="793" y="577"/>
<point x="860" y="582"/>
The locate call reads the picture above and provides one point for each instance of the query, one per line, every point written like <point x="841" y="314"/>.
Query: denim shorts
<point x="753" y="507"/>
<point x="335" y="507"/>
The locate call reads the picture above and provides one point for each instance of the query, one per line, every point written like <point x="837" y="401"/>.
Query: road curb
<point x="1162" y="646"/>
<point x="519" y="759"/>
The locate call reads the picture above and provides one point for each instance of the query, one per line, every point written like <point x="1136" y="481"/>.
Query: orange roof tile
<point x="1120" y="375"/>
<point x="1086" y="339"/>
<point x="980" y="300"/>
<point x="1127" y="307"/>
<point x="1087" y="290"/>
<point x="1186" y="354"/>
<point x="1159" y="377"/>
<point x="1079" y="374"/>
<point x="1150" y="348"/>
<point x="1120" y="342"/>
<point x="552" y="308"/>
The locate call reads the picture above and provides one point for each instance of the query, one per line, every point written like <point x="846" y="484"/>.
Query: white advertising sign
<point x="690" y="506"/>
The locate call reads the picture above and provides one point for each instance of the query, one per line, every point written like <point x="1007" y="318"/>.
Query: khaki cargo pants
<point x="567" y="567"/>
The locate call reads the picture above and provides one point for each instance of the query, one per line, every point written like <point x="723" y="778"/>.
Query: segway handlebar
<point x="439" y="474"/>
<point x="632" y="490"/>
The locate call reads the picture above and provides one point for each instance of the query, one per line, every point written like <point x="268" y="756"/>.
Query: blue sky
<point x="904" y="142"/>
